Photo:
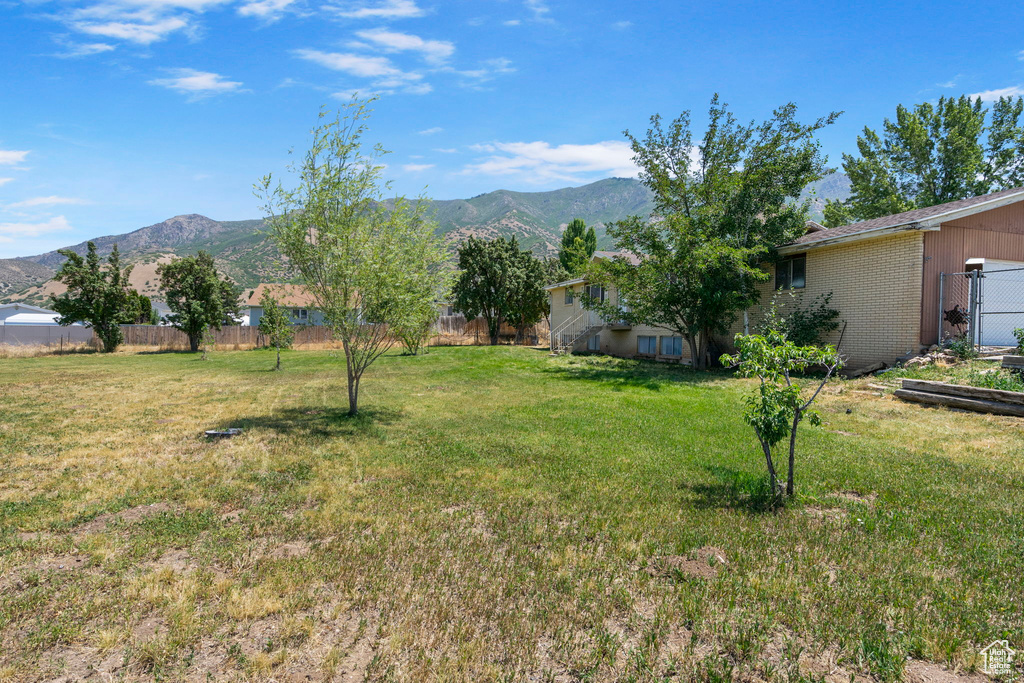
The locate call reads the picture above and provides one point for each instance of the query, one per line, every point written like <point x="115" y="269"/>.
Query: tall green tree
<point x="97" y="295"/>
<point x="578" y="246"/>
<point x="362" y="260"/>
<point x="498" y="282"/>
<point x="275" y="325"/>
<point x="199" y="298"/>
<point x="722" y="203"/>
<point x="932" y="154"/>
<point x="528" y="303"/>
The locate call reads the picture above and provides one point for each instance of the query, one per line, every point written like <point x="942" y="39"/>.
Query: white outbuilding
<point x="24" y="314"/>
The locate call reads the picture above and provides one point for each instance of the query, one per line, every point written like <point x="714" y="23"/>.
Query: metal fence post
<point x="975" y="302"/>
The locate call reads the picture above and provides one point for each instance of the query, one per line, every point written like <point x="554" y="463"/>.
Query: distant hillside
<point x="537" y="219"/>
<point x="834" y="186"/>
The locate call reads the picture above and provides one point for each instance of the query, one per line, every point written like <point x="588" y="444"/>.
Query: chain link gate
<point x="983" y="306"/>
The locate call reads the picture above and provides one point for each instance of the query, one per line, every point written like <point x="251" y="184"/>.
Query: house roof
<point x="286" y="295"/>
<point x="928" y="217"/>
<point x="632" y="258"/>
<point x="18" y="306"/>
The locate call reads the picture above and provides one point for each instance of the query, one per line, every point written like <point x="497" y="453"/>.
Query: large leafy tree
<point x="499" y="282"/>
<point x="723" y="201"/>
<point x="932" y="154"/>
<point x="578" y="245"/>
<point x="363" y="261"/>
<point x="97" y="295"/>
<point x="199" y="298"/>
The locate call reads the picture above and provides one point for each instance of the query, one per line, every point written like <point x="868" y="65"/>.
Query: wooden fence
<point x="450" y="330"/>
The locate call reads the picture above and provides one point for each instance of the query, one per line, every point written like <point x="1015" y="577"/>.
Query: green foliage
<point x="554" y="272"/>
<point x="1018" y="334"/>
<point x="1001" y="379"/>
<point x="275" y="325"/>
<point x="198" y="297"/>
<point x="931" y="154"/>
<point x="962" y="347"/>
<point x="578" y="246"/>
<point x="141" y="307"/>
<point x="804" y="326"/>
<point x="368" y="264"/>
<point x="722" y="204"/>
<point x="500" y="282"/>
<point x="776" y="409"/>
<point x="97" y="296"/>
<point x="154" y="316"/>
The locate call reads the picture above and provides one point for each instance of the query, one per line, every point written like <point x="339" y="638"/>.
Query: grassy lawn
<point x="494" y="514"/>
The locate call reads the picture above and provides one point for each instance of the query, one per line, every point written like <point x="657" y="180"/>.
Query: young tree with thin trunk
<point x="199" y="298"/>
<point x="777" y="407"/>
<point x="275" y="325"/>
<point x="578" y="245"/>
<point x="931" y="154"/>
<point x="97" y="296"/>
<point x="723" y="201"/>
<point x="361" y="259"/>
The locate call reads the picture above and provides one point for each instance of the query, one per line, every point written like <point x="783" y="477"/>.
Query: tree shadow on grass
<point x="731" y="490"/>
<point x="320" y="421"/>
<point x="619" y="373"/>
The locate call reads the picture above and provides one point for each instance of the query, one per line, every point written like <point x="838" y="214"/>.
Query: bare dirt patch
<point x="176" y="560"/>
<point x="129" y="516"/>
<point x="289" y="550"/>
<point x="232" y="516"/>
<point x="826" y="514"/>
<point x="63" y="563"/>
<point x="857" y="497"/>
<point x="149" y="628"/>
<point x="926" y="672"/>
<point x="703" y="563"/>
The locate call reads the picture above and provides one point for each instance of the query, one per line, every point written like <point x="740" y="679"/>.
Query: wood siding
<point x="995" y="234"/>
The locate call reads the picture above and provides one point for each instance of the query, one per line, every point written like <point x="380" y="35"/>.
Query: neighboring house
<point x="884" y="276"/>
<point x="23" y="314"/>
<point x="295" y="298"/>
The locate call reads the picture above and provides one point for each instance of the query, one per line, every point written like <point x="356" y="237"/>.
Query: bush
<point x="962" y="347"/>
<point x="1018" y="333"/>
<point x="803" y="326"/>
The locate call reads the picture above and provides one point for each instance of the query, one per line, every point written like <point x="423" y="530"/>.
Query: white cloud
<point x="196" y="83"/>
<point x="431" y="131"/>
<point x="52" y="200"/>
<point x="264" y="9"/>
<point x="435" y="51"/>
<point x="622" y="25"/>
<point x="389" y="9"/>
<point x="489" y="69"/>
<point x="11" y="157"/>
<point x="4" y="181"/>
<point x="56" y="224"/>
<point x="541" y="162"/>
<point x="416" y="168"/>
<point x="512" y="22"/>
<point x="446" y="150"/>
<point x="141" y="32"/>
<point x="539" y="8"/>
<point x="1020" y="55"/>
<point x="84" y="50"/>
<point x="993" y="95"/>
<point x="357" y="65"/>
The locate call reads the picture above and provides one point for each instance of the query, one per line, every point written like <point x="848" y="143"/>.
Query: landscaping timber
<point x="1013" y="362"/>
<point x="977" y="399"/>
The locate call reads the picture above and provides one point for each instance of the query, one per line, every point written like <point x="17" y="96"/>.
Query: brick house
<point x="883" y="275"/>
<point x="295" y="299"/>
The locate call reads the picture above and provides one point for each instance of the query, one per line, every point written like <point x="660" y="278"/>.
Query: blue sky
<point x="116" y="114"/>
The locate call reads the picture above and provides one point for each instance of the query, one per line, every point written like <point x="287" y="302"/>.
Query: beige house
<point x="884" y="276"/>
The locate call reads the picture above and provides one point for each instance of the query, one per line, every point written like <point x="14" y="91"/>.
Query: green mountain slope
<point x="537" y="219"/>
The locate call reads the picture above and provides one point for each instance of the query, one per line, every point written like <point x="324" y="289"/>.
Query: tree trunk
<point x="773" y="478"/>
<point x="353" y="383"/>
<point x="278" y="358"/>
<point x="694" y="353"/>
<point x="792" y="454"/>
<point x="193" y="343"/>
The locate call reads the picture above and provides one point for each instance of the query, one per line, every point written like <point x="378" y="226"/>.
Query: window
<point x="594" y="343"/>
<point x="300" y="314"/>
<point x="671" y="346"/>
<point x="647" y="346"/>
<point x="570" y="296"/>
<point x="791" y="273"/>
<point x="596" y="292"/>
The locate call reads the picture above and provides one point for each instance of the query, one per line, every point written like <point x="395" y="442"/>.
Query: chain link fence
<point x="982" y="306"/>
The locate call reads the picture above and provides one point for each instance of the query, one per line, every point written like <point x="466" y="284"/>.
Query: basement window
<point x="671" y="346"/>
<point x="646" y="346"/>
<point x="791" y="273"/>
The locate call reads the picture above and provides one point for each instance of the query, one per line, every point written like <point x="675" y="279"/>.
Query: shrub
<point x="962" y="347"/>
<point x="802" y="326"/>
<point x="1018" y="333"/>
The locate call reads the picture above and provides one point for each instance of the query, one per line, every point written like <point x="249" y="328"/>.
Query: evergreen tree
<point x="578" y="246"/>
<point x="97" y="296"/>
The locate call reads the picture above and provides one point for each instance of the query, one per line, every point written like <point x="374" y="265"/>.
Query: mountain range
<point x="246" y="255"/>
